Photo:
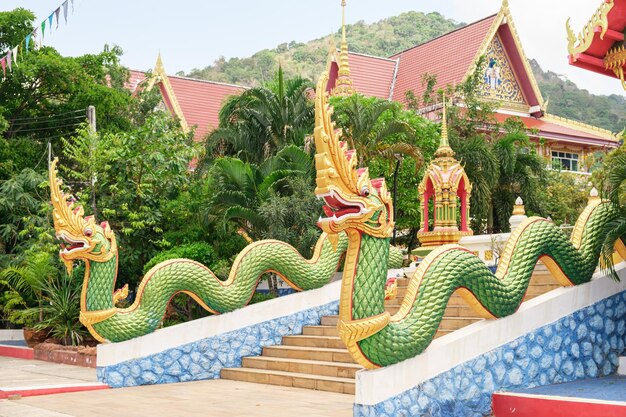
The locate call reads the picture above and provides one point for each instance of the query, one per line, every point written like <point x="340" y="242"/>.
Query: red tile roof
<point x="552" y="129"/>
<point x="372" y="76"/>
<point x="201" y="101"/>
<point x="449" y="57"/>
<point x="135" y="77"/>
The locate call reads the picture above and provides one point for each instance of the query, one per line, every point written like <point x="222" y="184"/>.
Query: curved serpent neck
<point x="375" y="338"/>
<point x="363" y="284"/>
<point x="98" y="285"/>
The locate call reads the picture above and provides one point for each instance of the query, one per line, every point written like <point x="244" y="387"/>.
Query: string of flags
<point x="36" y="37"/>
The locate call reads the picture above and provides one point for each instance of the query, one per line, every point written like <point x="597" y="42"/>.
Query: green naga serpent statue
<point x="96" y="244"/>
<point x="362" y="209"/>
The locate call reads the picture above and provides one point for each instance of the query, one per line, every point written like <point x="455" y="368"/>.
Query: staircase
<point x="318" y="359"/>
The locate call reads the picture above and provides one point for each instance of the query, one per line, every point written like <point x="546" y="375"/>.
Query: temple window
<point x="565" y="161"/>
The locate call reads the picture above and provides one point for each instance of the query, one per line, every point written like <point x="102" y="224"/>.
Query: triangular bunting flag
<point x="27" y="40"/>
<point x="15" y="50"/>
<point x="9" y="59"/>
<point x="35" y="38"/>
<point x="72" y="5"/>
<point x="3" y="63"/>
<point x="65" y="10"/>
<point x="57" y="13"/>
<point x="43" y="29"/>
<point x="50" y="22"/>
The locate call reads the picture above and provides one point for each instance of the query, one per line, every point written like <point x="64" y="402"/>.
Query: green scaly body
<point x="165" y="280"/>
<point x="452" y="267"/>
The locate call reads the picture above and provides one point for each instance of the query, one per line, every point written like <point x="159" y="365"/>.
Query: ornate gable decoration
<point x="499" y="82"/>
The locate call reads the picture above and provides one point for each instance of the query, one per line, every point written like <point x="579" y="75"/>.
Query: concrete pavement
<point x="216" y="398"/>
<point x="219" y="398"/>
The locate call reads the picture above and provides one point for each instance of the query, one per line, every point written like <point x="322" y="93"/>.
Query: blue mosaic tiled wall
<point x="205" y="358"/>
<point x="585" y="344"/>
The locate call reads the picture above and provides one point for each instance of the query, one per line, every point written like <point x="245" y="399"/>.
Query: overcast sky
<point x="193" y="33"/>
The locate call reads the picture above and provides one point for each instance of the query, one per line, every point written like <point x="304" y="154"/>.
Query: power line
<point x="48" y="120"/>
<point x="38" y="129"/>
<point x="54" y="115"/>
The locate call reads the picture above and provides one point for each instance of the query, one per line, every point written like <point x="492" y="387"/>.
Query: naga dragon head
<point x="353" y="201"/>
<point x="80" y="236"/>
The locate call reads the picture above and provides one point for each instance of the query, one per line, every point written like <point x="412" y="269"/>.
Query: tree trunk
<point x="272" y="284"/>
<point x="490" y="218"/>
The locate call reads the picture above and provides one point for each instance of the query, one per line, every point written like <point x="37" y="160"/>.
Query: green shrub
<point x="199" y="251"/>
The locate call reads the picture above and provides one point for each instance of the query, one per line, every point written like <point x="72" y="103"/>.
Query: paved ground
<point x="218" y="398"/>
<point x="18" y="373"/>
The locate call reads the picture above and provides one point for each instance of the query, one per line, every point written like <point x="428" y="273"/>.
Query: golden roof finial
<point x="444" y="150"/>
<point x="159" y="64"/>
<point x="343" y="86"/>
<point x="505" y="5"/>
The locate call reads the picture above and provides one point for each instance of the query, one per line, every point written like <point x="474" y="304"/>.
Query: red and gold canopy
<point x="600" y="45"/>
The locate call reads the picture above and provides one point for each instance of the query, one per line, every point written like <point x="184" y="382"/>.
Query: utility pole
<point x="91" y="119"/>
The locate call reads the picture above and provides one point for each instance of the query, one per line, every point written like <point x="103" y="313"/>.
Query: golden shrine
<point x="447" y="184"/>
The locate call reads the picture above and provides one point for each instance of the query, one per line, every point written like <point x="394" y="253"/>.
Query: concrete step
<point x="308" y="353"/>
<point x="320" y="330"/>
<point x="330" y="320"/>
<point x="290" y="379"/>
<point x="302" y="366"/>
<point x="314" y="341"/>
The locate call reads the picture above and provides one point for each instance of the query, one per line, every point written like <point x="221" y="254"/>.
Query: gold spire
<point x="505" y="5"/>
<point x="159" y="76"/>
<point x="444" y="151"/>
<point x="343" y="86"/>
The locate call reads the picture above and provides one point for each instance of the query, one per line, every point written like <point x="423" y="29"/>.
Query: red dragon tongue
<point x="328" y="211"/>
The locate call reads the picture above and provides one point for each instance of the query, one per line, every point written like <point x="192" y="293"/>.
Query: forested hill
<point x="389" y="36"/>
<point x="308" y="60"/>
<point x="567" y="100"/>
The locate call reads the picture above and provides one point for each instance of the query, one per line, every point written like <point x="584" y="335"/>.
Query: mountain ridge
<point x="390" y="36"/>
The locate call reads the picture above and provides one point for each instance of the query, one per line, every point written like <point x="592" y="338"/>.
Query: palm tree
<point x="483" y="171"/>
<point x="500" y="169"/>
<point x="261" y="121"/>
<point x="616" y="229"/>
<point x="370" y="128"/>
<point x="241" y="187"/>
<point x="521" y="172"/>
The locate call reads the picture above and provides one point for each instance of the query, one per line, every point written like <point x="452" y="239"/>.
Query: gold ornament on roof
<point x="614" y="60"/>
<point x="584" y="40"/>
<point x="343" y="85"/>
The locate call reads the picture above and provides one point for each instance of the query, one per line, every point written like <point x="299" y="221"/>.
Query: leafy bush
<point x="199" y="251"/>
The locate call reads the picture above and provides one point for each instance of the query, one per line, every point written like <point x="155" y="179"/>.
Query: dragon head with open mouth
<point x="353" y="201"/>
<point x="80" y="236"/>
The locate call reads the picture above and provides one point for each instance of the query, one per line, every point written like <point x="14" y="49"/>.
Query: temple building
<point x="508" y="81"/>
<point x="599" y="47"/>
<point x="451" y="58"/>
<point x="196" y="103"/>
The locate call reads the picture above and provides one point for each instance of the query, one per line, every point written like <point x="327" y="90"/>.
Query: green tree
<point x="393" y="143"/>
<point x="368" y="132"/>
<point x="137" y="173"/>
<point x="615" y="230"/>
<point x="22" y="208"/>
<point x="241" y="187"/>
<point x="261" y="121"/>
